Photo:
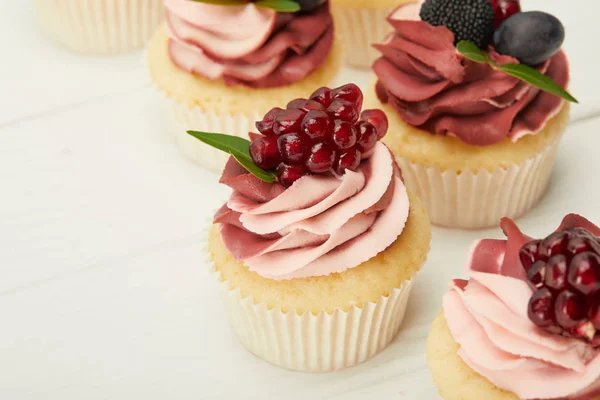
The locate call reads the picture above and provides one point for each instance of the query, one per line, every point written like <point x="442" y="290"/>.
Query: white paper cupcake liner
<point x="185" y="118"/>
<point x="358" y="29"/>
<point x="315" y="343"/>
<point x="473" y="200"/>
<point x="100" y="26"/>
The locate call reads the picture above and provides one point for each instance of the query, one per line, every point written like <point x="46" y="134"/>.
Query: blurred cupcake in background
<point x="99" y="26"/>
<point x="475" y="142"/>
<point x="220" y="68"/>
<point x="361" y="23"/>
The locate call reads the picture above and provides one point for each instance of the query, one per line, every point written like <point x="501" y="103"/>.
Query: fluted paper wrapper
<point x="185" y="118"/>
<point x="474" y="200"/>
<point x="315" y="343"/>
<point x="359" y="28"/>
<point x="100" y="26"/>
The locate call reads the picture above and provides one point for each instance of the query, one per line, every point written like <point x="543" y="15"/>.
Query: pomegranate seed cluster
<point x="326" y="133"/>
<point x="565" y="270"/>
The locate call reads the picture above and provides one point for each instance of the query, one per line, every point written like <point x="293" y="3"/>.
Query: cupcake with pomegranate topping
<point x="360" y="24"/>
<point x="99" y="26"/>
<point x="220" y="67"/>
<point x="525" y="325"/>
<point x="475" y="94"/>
<point x="317" y="250"/>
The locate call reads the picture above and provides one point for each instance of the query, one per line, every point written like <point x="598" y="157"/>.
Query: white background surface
<point x="104" y="292"/>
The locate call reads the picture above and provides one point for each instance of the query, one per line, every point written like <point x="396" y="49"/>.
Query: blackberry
<point x="468" y="19"/>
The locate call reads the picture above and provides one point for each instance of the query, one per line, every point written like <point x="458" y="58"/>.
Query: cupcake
<point x="99" y="26"/>
<point x="318" y="245"/>
<point x="360" y="24"/>
<point x="525" y="324"/>
<point x="221" y="67"/>
<point x="474" y="142"/>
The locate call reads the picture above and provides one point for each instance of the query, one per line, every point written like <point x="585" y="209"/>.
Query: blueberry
<point x="309" y="5"/>
<point x="531" y="37"/>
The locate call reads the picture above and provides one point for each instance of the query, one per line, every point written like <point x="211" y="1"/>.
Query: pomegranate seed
<point x="554" y="244"/>
<point x="581" y="244"/>
<point x="349" y="92"/>
<point x="294" y="147"/>
<point x="317" y="125"/>
<point x="537" y="274"/>
<point x="594" y="312"/>
<point x="528" y="254"/>
<point x="344" y="135"/>
<point x="305" y="105"/>
<point x="348" y="161"/>
<point x="266" y="125"/>
<point x="367" y="136"/>
<point x="288" y="121"/>
<point x="540" y="309"/>
<point x="504" y="9"/>
<point x="556" y="273"/>
<point x="584" y="273"/>
<point x="265" y="152"/>
<point x="569" y="309"/>
<point x="288" y="174"/>
<point x="378" y="119"/>
<point x="344" y="110"/>
<point x="321" y="158"/>
<point x="322" y="95"/>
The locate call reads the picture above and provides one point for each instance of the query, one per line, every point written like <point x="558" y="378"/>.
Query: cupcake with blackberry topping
<point x="316" y="251"/>
<point x="99" y="26"/>
<point x="220" y="67"/>
<point x="526" y="324"/>
<point x="475" y="94"/>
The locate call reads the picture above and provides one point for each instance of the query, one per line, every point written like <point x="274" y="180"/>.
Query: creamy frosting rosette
<point x="247" y="45"/>
<point x="321" y="225"/>
<point x="436" y="89"/>
<point x="488" y="317"/>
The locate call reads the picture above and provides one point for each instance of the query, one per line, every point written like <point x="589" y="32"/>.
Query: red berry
<point x="265" y="152"/>
<point x="321" y="158"/>
<point x="528" y="254"/>
<point x="266" y="125"/>
<point x="322" y="95"/>
<point x="556" y="273"/>
<point x="367" y="136"/>
<point x="288" y="174"/>
<point x="504" y="9"/>
<point x="349" y="92"/>
<point x="540" y="309"/>
<point x="378" y="119"/>
<point x="553" y="244"/>
<point x="294" y="147"/>
<point x="305" y="105"/>
<point x="584" y="273"/>
<point x="317" y="125"/>
<point x="288" y="121"/>
<point x="349" y="160"/>
<point x="344" y="110"/>
<point x="569" y="309"/>
<point x="537" y="274"/>
<point x="344" y="135"/>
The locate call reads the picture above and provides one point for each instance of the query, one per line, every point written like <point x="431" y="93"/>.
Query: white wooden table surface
<point x="104" y="293"/>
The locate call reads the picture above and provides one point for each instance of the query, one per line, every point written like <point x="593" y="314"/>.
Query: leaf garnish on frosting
<point x="519" y="71"/>
<point x="237" y="147"/>
<point x="277" y="5"/>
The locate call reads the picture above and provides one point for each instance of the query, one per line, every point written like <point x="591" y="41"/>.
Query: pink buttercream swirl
<point x="487" y="316"/>
<point x="435" y="88"/>
<point x="320" y="225"/>
<point x="247" y="45"/>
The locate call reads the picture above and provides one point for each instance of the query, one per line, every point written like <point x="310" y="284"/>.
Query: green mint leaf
<point x="472" y="52"/>
<point x="236" y="146"/>
<point x="537" y="79"/>
<point x="279" y="5"/>
<point x="519" y="71"/>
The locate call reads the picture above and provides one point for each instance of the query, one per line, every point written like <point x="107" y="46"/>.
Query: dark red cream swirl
<point x="245" y="45"/>
<point x="436" y="89"/>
